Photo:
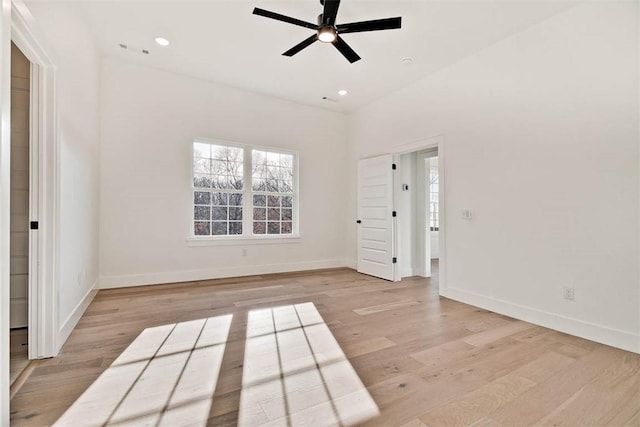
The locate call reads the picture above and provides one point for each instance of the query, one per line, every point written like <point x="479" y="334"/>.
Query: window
<point x="272" y="184"/>
<point x="243" y="191"/>
<point x="434" y="202"/>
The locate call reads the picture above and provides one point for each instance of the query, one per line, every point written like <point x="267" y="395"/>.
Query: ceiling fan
<point x="328" y="32"/>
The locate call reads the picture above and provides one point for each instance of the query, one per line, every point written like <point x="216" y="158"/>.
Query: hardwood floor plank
<point x="475" y="405"/>
<point x="18" y="351"/>
<point x="367" y="346"/>
<point x="599" y="402"/>
<point x="494" y="334"/>
<point x="414" y="423"/>
<point x="384" y="307"/>
<point x="549" y="395"/>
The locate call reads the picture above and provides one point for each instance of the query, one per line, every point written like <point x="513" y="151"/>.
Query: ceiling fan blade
<point x="283" y="18"/>
<point x="305" y="43"/>
<point x="346" y="50"/>
<point x="330" y="12"/>
<point x="375" y="25"/>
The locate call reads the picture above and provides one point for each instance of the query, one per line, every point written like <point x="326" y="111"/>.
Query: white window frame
<point x="247" y="205"/>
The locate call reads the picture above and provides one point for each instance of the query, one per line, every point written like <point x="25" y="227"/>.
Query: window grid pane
<point x="217" y="166"/>
<point x="272" y="214"/>
<point x="272" y="172"/>
<point x="217" y="213"/>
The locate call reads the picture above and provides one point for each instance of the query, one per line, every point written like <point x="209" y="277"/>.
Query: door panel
<point x="376" y="245"/>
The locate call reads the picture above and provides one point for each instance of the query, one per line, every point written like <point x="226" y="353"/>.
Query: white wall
<point x="638" y="134"/>
<point x="406" y="221"/>
<point x="77" y="89"/>
<point x="541" y="144"/>
<point x="149" y="118"/>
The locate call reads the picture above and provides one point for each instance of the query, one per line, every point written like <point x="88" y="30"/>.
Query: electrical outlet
<point x="568" y="293"/>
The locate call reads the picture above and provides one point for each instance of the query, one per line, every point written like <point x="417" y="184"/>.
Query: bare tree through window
<point x="272" y="183"/>
<point x="220" y="195"/>
<point x="217" y="178"/>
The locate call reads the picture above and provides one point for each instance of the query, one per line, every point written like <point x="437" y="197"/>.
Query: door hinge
<point x="33" y="225"/>
<point x="393" y="166"/>
<point x="394" y="214"/>
<point x="395" y="260"/>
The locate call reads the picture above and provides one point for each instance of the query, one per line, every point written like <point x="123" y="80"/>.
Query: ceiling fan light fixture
<point x="327" y="34"/>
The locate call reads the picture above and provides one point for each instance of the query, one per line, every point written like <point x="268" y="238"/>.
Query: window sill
<point x="242" y="241"/>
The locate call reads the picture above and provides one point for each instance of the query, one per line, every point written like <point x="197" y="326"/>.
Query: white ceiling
<point x="223" y="42"/>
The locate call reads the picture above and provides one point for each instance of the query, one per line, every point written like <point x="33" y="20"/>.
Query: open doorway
<point x="418" y="203"/>
<point x="429" y="185"/>
<point x="400" y="207"/>
<point x="433" y="182"/>
<point x="20" y="198"/>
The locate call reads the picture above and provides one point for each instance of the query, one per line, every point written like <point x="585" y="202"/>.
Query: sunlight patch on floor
<point x="165" y="377"/>
<point x="296" y="374"/>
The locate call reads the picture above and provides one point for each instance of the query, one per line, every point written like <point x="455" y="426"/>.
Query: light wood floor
<point x="424" y="360"/>
<point x="18" y="350"/>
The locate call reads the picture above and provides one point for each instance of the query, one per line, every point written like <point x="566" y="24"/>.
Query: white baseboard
<point x="352" y="264"/>
<point x="111" y="282"/>
<point x="409" y="272"/>
<point x="72" y="320"/>
<point x="591" y="331"/>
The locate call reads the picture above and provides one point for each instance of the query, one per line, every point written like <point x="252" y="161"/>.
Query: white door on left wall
<point x="19" y="241"/>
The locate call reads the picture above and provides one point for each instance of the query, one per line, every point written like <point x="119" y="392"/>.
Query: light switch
<point x="466" y="214"/>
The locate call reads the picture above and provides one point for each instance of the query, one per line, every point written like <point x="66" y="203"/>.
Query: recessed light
<point x="407" y="61"/>
<point x="162" y="41"/>
<point x="342" y="92"/>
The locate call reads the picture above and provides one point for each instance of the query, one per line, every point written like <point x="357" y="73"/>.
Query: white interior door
<point x="376" y="225"/>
